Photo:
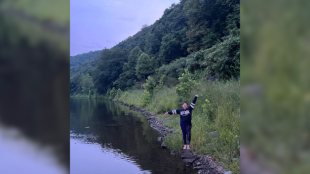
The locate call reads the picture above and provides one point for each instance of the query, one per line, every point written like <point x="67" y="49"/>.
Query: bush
<point x="124" y="96"/>
<point x="146" y="99"/>
<point x="161" y="83"/>
<point x="149" y="85"/>
<point x="186" y="85"/>
<point x="118" y="94"/>
<point x="112" y="93"/>
<point x="208" y="110"/>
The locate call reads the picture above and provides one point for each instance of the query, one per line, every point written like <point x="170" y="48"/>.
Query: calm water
<point x="106" y="137"/>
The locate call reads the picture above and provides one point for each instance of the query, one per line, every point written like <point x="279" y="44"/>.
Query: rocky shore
<point x="203" y="163"/>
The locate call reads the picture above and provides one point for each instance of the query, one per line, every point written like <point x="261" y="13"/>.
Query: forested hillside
<point x="199" y="35"/>
<point x="81" y="58"/>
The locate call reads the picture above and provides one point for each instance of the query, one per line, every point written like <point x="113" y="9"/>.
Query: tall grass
<point x="225" y="100"/>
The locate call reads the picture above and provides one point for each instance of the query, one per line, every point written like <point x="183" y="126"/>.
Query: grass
<point x="225" y="101"/>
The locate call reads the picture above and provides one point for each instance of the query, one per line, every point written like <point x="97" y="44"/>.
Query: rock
<point x="172" y="152"/>
<point x="163" y="145"/>
<point x="198" y="164"/>
<point x="228" y="172"/>
<point x="198" y="167"/>
<point x="187" y="154"/>
<point x="213" y="165"/>
<point x="159" y="139"/>
<point x="212" y="78"/>
<point x="214" y="134"/>
<point x="189" y="160"/>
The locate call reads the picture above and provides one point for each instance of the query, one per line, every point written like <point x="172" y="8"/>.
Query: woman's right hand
<point x="166" y="113"/>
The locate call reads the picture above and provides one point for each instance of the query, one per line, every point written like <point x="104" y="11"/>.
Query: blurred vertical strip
<point x="275" y="80"/>
<point x="34" y="86"/>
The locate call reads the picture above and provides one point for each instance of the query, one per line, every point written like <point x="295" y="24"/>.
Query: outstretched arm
<point x="194" y="101"/>
<point x="172" y="112"/>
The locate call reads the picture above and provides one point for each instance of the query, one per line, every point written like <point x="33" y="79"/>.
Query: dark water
<point x="106" y="137"/>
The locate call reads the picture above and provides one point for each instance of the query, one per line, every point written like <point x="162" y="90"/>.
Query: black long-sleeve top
<point x="185" y="115"/>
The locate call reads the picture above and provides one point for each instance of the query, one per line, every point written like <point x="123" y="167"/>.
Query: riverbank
<point x="216" y="119"/>
<point x="203" y="163"/>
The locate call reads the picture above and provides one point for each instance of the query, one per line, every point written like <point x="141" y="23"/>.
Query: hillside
<point x="81" y="58"/>
<point x="202" y="36"/>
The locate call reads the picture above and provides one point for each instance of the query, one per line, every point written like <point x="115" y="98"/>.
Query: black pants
<point x="186" y="130"/>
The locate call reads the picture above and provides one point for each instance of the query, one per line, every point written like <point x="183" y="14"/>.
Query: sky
<point x="99" y="24"/>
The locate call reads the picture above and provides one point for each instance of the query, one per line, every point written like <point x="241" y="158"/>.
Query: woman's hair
<point x="185" y="102"/>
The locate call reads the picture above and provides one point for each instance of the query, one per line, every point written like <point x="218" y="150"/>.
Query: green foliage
<point x="208" y="109"/>
<point x="201" y="36"/>
<point x="86" y="83"/>
<point x="119" y="93"/>
<point x="108" y="92"/>
<point x="127" y="77"/>
<point x="149" y="85"/>
<point x="110" y="66"/>
<point x="227" y="124"/>
<point x="113" y="93"/>
<point x="225" y="97"/>
<point x="223" y="59"/>
<point x="186" y="85"/>
<point x="161" y="82"/>
<point x="209" y="21"/>
<point x="123" y="96"/>
<point x="81" y="58"/>
<point x="144" y="66"/>
<point x="146" y="99"/>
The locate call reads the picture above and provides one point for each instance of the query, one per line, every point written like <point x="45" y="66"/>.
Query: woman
<point x="185" y="120"/>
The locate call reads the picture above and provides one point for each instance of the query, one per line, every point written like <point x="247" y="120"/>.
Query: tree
<point x="186" y="85"/>
<point x="113" y="93"/>
<point x="127" y="77"/>
<point x="144" y="66"/>
<point x="87" y="83"/>
<point x="170" y="48"/>
<point x="149" y="85"/>
<point x="110" y="67"/>
<point x="144" y="26"/>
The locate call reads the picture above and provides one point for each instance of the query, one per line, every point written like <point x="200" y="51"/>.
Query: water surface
<point x="106" y="137"/>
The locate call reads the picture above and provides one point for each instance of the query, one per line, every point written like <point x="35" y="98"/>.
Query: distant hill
<point x="81" y="58"/>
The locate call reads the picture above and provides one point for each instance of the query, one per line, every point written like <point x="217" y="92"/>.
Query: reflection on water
<point x="109" y="138"/>
<point x="34" y="76"/>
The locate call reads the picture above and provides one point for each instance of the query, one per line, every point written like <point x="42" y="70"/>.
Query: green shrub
<point x="186" y="85"/>
<point x="161" y="83"/>
<point x="208" y="109"/>
<point x="124" y="96"/>
<point x="119" y="92"/>
<point x="112" y="93"/>
<point x="146" y="98"/>
<point x="149" y="85"/>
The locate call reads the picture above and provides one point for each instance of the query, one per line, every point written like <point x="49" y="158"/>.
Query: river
<point x="107" y="137"/>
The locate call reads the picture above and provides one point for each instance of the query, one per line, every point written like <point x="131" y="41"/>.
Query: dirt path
<point x="203" y="163"/>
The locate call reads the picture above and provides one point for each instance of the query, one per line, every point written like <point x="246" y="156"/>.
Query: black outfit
<point x="185" y="120"/>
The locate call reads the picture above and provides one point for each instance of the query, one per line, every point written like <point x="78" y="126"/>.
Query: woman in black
<point x="185" y="120"/>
